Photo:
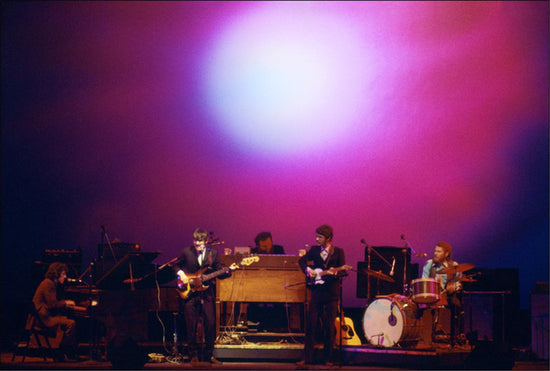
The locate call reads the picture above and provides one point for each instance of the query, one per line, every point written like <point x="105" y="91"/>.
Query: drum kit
<point x="395" y="319"/>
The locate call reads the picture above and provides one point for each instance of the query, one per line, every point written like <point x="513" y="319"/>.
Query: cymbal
<point x="378" y="274"/>
<point x="131" y="280"/>
<point x="467" y="279"/>
<point x="457" y="268"/>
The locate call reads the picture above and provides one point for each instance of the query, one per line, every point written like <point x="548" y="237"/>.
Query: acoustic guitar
<point x="195" y="281"/>
<point x="349" y="336"/>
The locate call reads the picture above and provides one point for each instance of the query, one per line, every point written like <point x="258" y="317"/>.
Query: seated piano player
<point x="50" y="309"/>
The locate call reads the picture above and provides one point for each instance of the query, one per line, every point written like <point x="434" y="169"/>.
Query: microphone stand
<point x="341" y="309"/>
<point x="369" y="249"/>
<point x="105" y="237"/>
<point x="93" y="329"/>
<point x="404" y="250"/>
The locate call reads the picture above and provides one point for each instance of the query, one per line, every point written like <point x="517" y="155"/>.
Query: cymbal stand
<point x="369" y="250"/>
<point x="368" y="267"/>
<point x="405" y="282"/>
<point x="407" y="246"/>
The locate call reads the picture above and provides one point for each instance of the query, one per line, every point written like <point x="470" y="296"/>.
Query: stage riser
<point x="257" y="354"/>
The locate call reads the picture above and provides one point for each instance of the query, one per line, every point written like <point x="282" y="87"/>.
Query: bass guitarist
<point x="199" y="300"/>
<point x="322" y="264"/>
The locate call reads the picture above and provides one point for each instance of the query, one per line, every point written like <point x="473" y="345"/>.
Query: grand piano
<point x="117" y="295"/>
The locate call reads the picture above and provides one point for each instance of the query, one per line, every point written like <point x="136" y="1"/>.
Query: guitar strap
<point x="209" y="253"/>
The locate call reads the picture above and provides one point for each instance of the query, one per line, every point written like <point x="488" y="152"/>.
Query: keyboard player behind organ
<point x="50" y="308"/>
<point x="267" y="316"/>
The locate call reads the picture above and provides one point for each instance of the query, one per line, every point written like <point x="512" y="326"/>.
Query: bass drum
<point x="391" y="320"/>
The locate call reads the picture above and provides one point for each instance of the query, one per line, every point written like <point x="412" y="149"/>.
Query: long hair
<point x="446" y="248"/>
<point x="55" y="269"/>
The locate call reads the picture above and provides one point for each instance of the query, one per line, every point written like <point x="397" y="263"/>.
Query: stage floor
<point x="282" y="356"/>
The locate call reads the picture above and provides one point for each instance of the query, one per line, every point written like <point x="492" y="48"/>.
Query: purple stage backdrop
<point x="423" y="119"/>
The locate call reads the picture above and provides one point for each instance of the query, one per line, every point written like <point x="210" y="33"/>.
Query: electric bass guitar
<point x="349" y="336"/>
<point x="317" y="278"/>
<point x="195" y="282"/>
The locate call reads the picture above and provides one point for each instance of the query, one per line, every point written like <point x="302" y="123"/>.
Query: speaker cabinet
<point x="539" y="320"/>
<point x="491" y="304"/>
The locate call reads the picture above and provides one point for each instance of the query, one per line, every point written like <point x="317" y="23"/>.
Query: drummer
<point x="450" y="283"/>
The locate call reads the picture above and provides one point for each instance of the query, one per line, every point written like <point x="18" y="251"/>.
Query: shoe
<point x="214" y="361"/>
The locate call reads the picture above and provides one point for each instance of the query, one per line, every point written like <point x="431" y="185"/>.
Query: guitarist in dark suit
<point x="322" y="264"/>
<point x="199" y="299"/>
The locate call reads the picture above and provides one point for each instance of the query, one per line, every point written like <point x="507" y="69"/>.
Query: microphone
<point x="392" y="268"/>
<point x="73" y="280"/>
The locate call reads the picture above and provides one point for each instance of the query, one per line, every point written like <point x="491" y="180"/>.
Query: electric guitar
<point x="195" y="282"/>
<point x="319" y="273"/>
<point x="349" y="336"/>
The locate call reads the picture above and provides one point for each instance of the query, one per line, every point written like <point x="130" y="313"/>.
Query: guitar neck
<point x="338" y="269"/>
<point x="208" y="277"/>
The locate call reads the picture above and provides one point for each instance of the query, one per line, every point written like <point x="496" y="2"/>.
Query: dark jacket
<point x="188" y="261"/>
<point x="330" y="289"/>
<point x="46" y="303"/>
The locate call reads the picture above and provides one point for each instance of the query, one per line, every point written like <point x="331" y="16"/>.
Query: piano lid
<point x="132" y="266"/>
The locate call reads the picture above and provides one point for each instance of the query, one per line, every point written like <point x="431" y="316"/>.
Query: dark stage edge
<point x="282" y="356"/>
<point x="408" y="358"/>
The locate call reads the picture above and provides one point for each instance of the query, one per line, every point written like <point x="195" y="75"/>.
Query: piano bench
<point x="35" y="339"/>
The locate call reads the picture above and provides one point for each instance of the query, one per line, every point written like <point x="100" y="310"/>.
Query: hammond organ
<point x="273" y="279"/>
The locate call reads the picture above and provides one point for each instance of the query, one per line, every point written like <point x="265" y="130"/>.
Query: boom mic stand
<point x="94" y="336"/>
<point x="105" y="237"/>
<point x="404" y="250"/>
<point x="369" y="250"/>
<point x="341" y="314"/>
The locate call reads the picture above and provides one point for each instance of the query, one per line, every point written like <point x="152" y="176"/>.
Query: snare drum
<point x="390" y="320"/>
<point x="425" y="290"/>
